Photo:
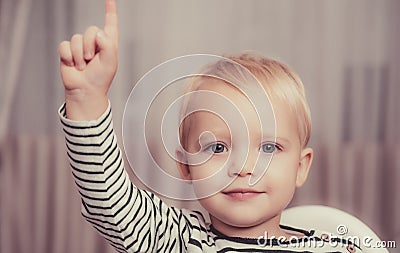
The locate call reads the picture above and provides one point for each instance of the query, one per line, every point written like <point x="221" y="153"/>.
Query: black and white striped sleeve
<point x="132" y="220"/>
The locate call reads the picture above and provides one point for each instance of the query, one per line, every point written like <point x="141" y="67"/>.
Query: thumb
<point x="106" y="47"/>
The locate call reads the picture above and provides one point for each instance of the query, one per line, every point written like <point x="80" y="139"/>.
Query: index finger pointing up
<point x="111" y="20"/>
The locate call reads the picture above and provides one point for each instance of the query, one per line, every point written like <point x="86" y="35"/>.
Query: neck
<point x="266" y="229"/>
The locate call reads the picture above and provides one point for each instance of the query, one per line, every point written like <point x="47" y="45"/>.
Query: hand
<point x="88" y="64"/>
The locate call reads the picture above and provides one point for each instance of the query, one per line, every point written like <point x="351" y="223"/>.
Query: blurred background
<point x="345" y="51"/>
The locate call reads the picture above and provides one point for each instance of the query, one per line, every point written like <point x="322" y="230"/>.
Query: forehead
<point x="229" y="107"/>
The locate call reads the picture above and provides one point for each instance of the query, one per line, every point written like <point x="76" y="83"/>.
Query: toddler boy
<point x="260" y="162"/>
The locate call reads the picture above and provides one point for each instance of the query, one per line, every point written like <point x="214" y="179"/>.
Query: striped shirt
<point x="136" y="220"/>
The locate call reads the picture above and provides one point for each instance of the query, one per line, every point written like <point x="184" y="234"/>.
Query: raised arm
<point x="132" y="220"/>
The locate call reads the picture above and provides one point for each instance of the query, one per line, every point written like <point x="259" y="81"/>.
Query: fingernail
<point x="81" y="66"/>
<point x="88" y="55"/>
<point x="100" y="34"/>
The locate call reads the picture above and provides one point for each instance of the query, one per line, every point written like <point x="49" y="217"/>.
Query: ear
<point x="306" y="157"/>
<point x="182" y="165"/>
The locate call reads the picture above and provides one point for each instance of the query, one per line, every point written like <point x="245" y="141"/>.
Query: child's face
<point x="241" y="204"/>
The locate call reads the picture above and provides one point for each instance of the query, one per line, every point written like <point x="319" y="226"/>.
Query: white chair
<point x="333" y="221"/>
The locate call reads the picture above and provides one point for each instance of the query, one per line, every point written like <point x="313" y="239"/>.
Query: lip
<point x="242" y="193"/>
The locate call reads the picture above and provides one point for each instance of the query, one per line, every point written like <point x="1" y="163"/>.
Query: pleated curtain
<point x="346" y="53"/>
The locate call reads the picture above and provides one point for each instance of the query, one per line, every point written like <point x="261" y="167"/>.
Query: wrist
<point x="85" y="108"/>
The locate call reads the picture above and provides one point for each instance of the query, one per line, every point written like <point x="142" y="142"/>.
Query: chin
<point x="241" y="220"/>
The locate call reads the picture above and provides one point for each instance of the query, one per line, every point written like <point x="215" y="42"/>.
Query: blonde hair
<point x="277" y="79"/>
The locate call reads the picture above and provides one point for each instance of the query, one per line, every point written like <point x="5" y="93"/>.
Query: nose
<point x="242" y="165"/>
<point x="241" y="171"/>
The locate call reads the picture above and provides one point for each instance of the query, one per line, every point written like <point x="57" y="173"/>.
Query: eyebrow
<point x="223" y="133"/>
<point x="277" y="138"/>
<point x="218" y="132"/>
<point x="281" y="139"/>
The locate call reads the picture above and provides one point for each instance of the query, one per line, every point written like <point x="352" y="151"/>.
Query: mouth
<point x="242" y="193"/>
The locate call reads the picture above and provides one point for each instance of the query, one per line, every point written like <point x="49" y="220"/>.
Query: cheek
<point x="209" y="178"/>
<point x="210" y="204"/>
<point x="283" y="169"/>
<point x="209" y="168"/>
<point x="281" y="181"/>
<point x="199" y="172"/>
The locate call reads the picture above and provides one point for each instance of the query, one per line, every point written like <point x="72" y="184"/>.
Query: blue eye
<point x="217" y="148"/>
<point x="270" y="148"/>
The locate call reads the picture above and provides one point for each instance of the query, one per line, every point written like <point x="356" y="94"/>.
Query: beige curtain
<point x="40" y="206"/>
<point x="345" y="51"/>
<point x="12" y="40"/>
